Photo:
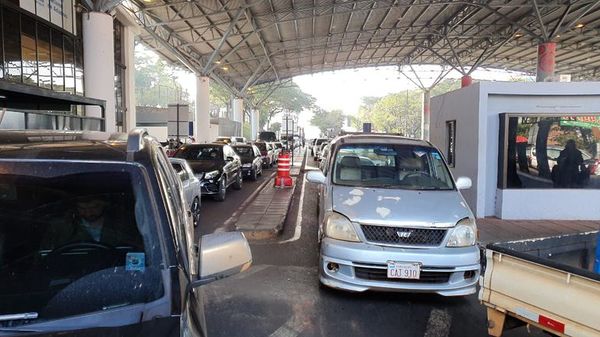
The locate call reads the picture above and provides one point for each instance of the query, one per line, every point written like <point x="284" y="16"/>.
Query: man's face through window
<point x="91" y="210"/>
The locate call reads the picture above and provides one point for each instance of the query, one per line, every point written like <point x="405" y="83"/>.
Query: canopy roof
<point x="242" y="43"/>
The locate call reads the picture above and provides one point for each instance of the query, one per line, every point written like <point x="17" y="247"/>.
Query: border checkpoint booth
<point x="511" y="140"/>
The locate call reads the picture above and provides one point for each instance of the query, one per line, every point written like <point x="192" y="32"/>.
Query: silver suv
<point x="391" y="217"/>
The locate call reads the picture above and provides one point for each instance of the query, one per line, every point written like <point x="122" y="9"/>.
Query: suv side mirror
<point x="316" y="177"/>
<point x="463" y="183"/>
<point x="222" y="255"/>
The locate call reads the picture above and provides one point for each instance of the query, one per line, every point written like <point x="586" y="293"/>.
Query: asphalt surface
<point x="280" y="295"/>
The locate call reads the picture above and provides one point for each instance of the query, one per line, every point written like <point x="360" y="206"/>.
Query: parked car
<point x="267" y="136"/>
<point x="400" y="225"/>
<point x="323" y="162"/>
<point x="316" y="145"/>
<point x="251" y="160"/>
<point x="191" y="187"/>
<point x="319" y="151"/>
<point x="229" y="140"/>
<point x="96" y="240"/>
<point x="278" y="149"/>
<point x="216" y="165"/>
<point x="267" y="153"/>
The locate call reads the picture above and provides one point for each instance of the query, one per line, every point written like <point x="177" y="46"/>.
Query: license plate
<point x="403" y="270"/>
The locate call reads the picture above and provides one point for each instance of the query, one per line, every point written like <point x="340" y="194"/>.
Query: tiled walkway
<point x="494" y="230"/>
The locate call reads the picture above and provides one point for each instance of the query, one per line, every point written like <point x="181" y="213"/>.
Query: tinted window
<point x="550" y="152"/>
<point x="200" y="153"/>
<point x="244" y="151"/>
<point x="79" y="240"/>
<point x="391" y="166"/>
<point x="262" y="146"/>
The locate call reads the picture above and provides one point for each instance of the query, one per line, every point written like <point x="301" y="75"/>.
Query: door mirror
<point x="463" y="183"/>
<point x="222" y="255"/>
<point x="316" y="177"/>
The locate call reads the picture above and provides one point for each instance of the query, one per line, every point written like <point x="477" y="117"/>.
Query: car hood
<point x="201" y="166"/>
<point x="398" y="207"/>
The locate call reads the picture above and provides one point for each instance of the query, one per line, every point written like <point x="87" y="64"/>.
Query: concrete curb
<point x="271" y="233"/>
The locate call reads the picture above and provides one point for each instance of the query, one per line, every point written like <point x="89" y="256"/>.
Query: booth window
<point x="451" y="142"/>
<point x="549" y="151"/>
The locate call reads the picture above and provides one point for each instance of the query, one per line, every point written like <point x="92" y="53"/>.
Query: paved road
<point x="280" y="296"/>
<point x="215" y="213"/>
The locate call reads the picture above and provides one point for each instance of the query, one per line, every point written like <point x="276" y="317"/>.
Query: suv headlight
<point x="339" y="227"/>
<point x="464" y="234"/>
<point x="211" y="174"/>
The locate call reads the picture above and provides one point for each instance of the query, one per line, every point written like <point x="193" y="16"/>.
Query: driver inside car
<point x="93" y="220"/>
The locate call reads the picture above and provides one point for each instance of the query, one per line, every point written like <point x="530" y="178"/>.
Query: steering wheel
<point x="79" y="245"/>
<point x="418" y="173"/>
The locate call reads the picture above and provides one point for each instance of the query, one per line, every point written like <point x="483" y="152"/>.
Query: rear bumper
<point x="362" y="267"/>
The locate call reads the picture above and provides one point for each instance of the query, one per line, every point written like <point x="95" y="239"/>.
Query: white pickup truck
<point x="551" y="283"/>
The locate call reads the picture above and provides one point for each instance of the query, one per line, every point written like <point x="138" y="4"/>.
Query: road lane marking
<point x="439" y="323"/>
<point x="298" y="229"/>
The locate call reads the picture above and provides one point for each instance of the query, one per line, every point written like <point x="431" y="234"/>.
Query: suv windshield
<point x="391" y="166"/>
<point x="75" y="239"/>
<point x="200" y="153"/>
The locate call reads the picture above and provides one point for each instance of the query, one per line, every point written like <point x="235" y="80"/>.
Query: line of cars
<point x="210" y="169"/>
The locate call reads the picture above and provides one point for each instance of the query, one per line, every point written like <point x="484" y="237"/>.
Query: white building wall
<point x="492" y="99"/>
<point x="460" y="105"/>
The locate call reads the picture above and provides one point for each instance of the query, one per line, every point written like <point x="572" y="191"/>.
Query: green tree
<point x="155" y="82"/>
<point x="289" y="98"/>
<point x="329" y="122"/>
<point x="275" y="127"/>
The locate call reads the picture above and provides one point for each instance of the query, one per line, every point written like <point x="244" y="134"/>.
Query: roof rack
<point x="344" y="133"/>
<point x="135" y="141"/>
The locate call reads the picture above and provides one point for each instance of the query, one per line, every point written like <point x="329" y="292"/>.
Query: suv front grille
<point x="403" y="236"/>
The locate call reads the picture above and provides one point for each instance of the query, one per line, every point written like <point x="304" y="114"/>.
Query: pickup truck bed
<point x="548" y="282"/>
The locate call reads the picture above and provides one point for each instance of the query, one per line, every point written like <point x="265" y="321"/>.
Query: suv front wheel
<point x="220" y="196"/>
<point x="237" y="185"/>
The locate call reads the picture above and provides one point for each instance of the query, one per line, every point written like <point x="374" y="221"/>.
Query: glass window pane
<point x="35" y="121"/>
<point x="13" y="120"/>
<point x="58" y="81"/>
<point x="69" y="65"/>
<point x="552" y="152"/>
<point x="79" y="89"/>
<point x="12" y="45"/>
<point x="28" y="51"/>
<point x="43" y="44"/>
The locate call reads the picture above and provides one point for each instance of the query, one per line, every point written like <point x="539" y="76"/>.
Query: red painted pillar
<point x="546" y="62"/>
<point x="425" y="122"/>
<point x="466" y="81"/>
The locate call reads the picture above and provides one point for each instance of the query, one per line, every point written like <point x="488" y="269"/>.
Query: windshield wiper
<point x="19" y="317"/>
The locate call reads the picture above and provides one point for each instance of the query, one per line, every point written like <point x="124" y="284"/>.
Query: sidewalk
<point x="263" y="218"/>
<point x="495" y="230"/>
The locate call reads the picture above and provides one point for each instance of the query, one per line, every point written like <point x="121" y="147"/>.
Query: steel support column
<point x="238" y="115"/>
<point x="99" y="60"/>
<point x="546" y="62"/>
<point x="466" y="81"/>
<point x="254" y="122"/>
<point x="202" y="120"/>
<point x="425" y="121"/>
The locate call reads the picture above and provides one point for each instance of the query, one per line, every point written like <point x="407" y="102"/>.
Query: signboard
<point x="587" y="122"/>
<point x="59" y="12"/>
<point x="178" y="113"/>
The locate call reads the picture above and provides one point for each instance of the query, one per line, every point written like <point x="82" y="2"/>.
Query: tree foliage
<point x="329" y="122"/>
<point x="155" y="82"/>
<point x="288" y="98"/>
<point x="399" y="112"/>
